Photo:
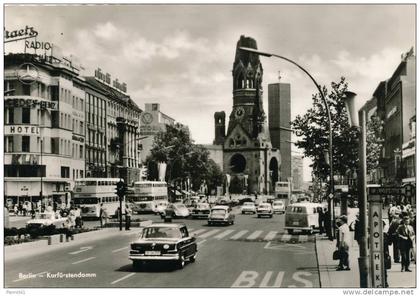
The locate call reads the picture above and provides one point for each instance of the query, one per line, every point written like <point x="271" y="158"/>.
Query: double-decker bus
<point x="282" y="190"/>
<point x="90" y="193"/>
<point x="146" y="195"/>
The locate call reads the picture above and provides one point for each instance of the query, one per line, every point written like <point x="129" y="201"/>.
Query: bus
<point x="90" y="193"/>
<point x="282" y="190"/>
<point x="146" y="195"/>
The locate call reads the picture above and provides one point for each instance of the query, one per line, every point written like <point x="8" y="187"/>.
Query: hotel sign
<point x="21" y="130"/>
<point x="106" y="78"/>
<point x="30" y="103"/>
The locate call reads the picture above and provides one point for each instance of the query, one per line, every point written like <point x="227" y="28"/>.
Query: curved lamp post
<point x="358" y="119"/>
<point x="330" y="144"/>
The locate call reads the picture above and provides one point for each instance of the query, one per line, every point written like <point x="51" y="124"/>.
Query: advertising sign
<point x="376" y="242"/>
<point x="30" y="103"/>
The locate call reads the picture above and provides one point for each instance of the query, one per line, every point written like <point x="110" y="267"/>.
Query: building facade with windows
<point x="40" y="159"/>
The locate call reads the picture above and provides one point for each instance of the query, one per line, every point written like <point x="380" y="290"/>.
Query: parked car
<point x="161" y="206"/>
<point x="201" y="210"/>
<point x="248" y="207"/>
<point x="46" y="219"/>
<point x="279" y="207"/>
<point x="164" y="242"/>
<point x="221" y="215"/>
<point x="302" y="216"/>
<point x="265" y="209"/>
<point x="175" y="210"/>
<point x="223" y="201"/>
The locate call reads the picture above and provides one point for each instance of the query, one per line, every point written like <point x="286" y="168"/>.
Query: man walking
<point x="393" y="237"/>
<point x="406" y="236"/>
<point x="344" y="243"/>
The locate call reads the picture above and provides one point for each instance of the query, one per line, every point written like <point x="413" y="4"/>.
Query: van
<point x="302" y="216"/>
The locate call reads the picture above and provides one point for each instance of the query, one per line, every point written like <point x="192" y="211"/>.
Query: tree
<point x="374" y="143"/>
<point x="184" y="159"/>
<point x="312" y="128"/>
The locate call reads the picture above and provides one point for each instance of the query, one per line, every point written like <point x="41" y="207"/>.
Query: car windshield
<point x="248" y="204"/>
<point x="161" y="232"/>
<point x="180" y="206"/>
<point x="278" y="203"/>
<point x="202" y="206"/>
<point x="264" y="206"/>
<point x="218" y="211"/>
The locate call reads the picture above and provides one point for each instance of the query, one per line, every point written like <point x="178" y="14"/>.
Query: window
<point x="11" y="116"/>
<point x="25" y="143"/>
<point x="26" y="88"/>
<point x="9" y="143"/>
<point x="55" y="146"/>
<point x="26" y="115"/>
<point x="82" y="128"/>
<point x="65" y="172"/>
<point x="81" y="151"/>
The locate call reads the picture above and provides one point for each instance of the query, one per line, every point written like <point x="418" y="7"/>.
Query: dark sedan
<point x="164" y="242"/>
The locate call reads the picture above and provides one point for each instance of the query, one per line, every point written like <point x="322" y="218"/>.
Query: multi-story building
<point x="114" y="129"/>
<point x="43" y="143"/>
<point x="397" y="107"/>
<point x="279" y="125"/>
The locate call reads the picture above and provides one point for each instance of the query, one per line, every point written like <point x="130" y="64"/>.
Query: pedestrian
<point x="16" y="209"/>
<point x="406" y="242"/>
<point x="321" y="220"/>
<point x="101" y="214"/>
<point x="104" y="216"/>
<point x="327" y="224"/>
<point x="344" y="242"/>
<point x="20" y="208"/>
<point x="393" y="237"/>
<point x="357" y="230"/>
<point x="128" y="213"/>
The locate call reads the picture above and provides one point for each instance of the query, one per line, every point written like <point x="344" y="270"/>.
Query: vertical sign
<point x="376" y="241"/>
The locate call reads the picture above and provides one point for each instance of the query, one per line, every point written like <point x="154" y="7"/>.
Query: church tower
<point x="250" y="162"/>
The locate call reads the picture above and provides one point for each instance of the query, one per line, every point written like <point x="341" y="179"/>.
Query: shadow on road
<point x="158" y="267"/>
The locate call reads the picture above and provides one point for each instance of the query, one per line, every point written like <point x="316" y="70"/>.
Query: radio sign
<point x="38" y="45"/>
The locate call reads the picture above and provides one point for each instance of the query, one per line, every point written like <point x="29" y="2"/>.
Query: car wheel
<point x="290" y="231"/>
<point x="233" y="222"/>
<point x="181" y="262"/>
<point x="259" y="216"/>
<point x="137" y="265"/>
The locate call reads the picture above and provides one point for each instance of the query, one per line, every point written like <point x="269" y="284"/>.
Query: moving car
<point x="279" y="207"/>
<point x="302" y="216"/>
<point x="265" y="209"/>
<point x="176" y="210"/>
<point x="248" y="207"/>
<point x="221" y="215"/>
<point x="201" y="210"/>
<point x="161" y="206"/>
<point x="223" y="201"/>
<point x="46" y="219"/>
<point x="164" y="242"/>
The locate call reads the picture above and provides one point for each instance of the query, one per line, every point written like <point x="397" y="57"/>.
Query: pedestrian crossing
<point x="247" y="235"/>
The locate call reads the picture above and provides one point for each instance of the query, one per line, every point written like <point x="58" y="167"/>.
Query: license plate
<point x="152" y="253"/>
<point x="296" y="223"/>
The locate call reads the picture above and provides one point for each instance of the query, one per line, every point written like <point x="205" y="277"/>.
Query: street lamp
<point x="330" y="145"/>
<point x="358" y="119"/>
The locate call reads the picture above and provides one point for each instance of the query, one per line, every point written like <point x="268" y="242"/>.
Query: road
<point x="254" y="252"/>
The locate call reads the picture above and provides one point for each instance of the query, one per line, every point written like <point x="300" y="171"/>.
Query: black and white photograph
<point x="210" y="145"/>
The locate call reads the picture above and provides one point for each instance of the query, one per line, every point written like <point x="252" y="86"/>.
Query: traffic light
<point x="121" y="189"/>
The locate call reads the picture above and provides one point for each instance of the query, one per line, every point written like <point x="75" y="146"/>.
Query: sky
<point x="181" y="56"/>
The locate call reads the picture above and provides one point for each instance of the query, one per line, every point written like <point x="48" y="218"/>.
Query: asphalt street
<point x="254" y="252"/>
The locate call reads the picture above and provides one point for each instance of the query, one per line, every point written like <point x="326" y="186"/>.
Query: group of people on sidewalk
<point x="104" y="215"/>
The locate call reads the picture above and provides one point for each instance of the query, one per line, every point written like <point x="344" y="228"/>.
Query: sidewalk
<point x="330" y="278"/>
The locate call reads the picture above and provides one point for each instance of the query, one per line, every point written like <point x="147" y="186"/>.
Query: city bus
<point x="147" y="195"/>
<point x="90" y="193"/>
<point x="282" y="190"/>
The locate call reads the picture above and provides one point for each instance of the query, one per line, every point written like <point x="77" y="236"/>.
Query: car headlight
<point x="165" y="247"/>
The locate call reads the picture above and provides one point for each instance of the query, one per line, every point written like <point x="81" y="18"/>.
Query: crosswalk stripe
<point x="270" y="235"/>
<point x="239" y="234"/>
<point x="198" y="231"/>
<point x="224" y="233"/>
<point x="255" y="234"/>
<point x="210" y="233"/>
<point x="286" y="237"/>
<point x="303" y="238"/>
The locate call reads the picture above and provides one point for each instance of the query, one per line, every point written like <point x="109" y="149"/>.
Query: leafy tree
<point x="184" y="159"/>
<point x="312" y="128"/>
<point x="374" y="142"/>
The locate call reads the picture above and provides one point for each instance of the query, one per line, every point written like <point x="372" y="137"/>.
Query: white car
<point x="161" y="207"/>
<point x="278" y="207"/>
<point x="46" y="219"/>
<point x="265" y="209"/>
<point x="176" y="210"/>
<point x="248" y="207"/>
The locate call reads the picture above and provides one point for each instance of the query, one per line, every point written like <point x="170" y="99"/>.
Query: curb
<point x="55" y="242"/>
